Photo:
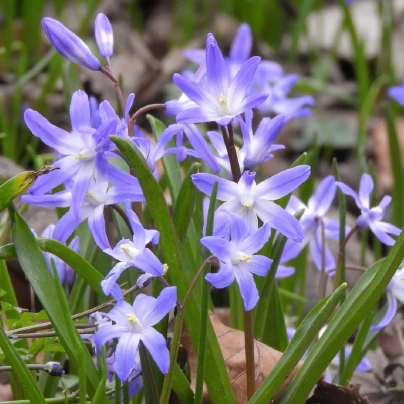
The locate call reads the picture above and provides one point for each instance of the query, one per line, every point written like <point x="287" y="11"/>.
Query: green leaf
<point x="365" y="294"/>
<point x="66" y="254"/>
<point x="304" y="336"/>
<point x="184" y="206"/>
<point x="181" y="386"/>
<point x="40" y="278"/>
<point x="28" y="383"/>
<point x="218" y="383"/>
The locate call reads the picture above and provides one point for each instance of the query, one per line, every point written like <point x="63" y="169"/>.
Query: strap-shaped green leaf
<point x="41" y="279"/>
<point x="66" y="254"/>
<point x="365" y="294"/>
<point x="217" y="380"/>
<point x="304" y="336"/>
<point x="28" y="383"/>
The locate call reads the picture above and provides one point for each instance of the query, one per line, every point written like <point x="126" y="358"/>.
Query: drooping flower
<point x="222" y="98"/>
<point x="98" y="195"/>
<point x="237" y="259"/>
<point x="65" y="272"/>
<point x="132" y="324"/>
<point x="371" y="217"/>
<point x="104" y="35"/>
<point x="312" y="222"/>
<point x="78" y="149"/>
<point x="397" y="93"/>
<point x="133" y="253"/>
<point x="394" y="292"/>
<point x="252" y="201"/>
<point x="69" y="45"/>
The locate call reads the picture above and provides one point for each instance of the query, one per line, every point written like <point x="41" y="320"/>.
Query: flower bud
<point x="104" y="35"/>
<point x="53" y="368"/>
<point x="69" y="44"/>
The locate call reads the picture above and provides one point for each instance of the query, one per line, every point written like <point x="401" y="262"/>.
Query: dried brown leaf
<point x="231" y="343"/>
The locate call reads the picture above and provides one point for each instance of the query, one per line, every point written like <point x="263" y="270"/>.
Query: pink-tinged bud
<point x="104" y="35"/>
<point x="69" y="45"/>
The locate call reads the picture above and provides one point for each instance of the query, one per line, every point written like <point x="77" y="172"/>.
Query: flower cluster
<point x="93" y="178"/>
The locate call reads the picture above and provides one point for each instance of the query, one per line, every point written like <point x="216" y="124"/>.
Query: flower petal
<point x="380" y="231"/>
<point x="321" y="200"/>
<point x="365" y="189"/>
<point x="106" y="333"/>
<point x="80" y="186"/>
<point x="316" y="253"/>
<point x="242" y="43"/>
<point x="242" y="82"/>
<point x="54" y="137"/>
<point x="196" y="93"/>
<point x="218" y="246"/>
<point x="254" y="242"/>
<point x="258" y="265"/>
<point x="60" y="199"/>
<point x="125" y="354"/>
<point x="390" y="312"/>
<point x="109" y="282"/>
<point x="96" y="223"/>
<point x="150" y="310"/>
<point x="283" y="183"/>
<point x="216" y="69"/>
<point x="66" y="226"/>
<point x="349" y="191"/>
<point x="226" y="191"/>
<point x="279" y="219"/>
<point x="148" y="262"/>
<point x="247" y="287"/>
<point x="80" y="110"/>
<point x="156" y="344"/>
<point x="223" y="278"/>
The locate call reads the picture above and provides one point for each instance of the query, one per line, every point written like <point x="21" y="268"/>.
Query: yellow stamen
<point x="222" y="100"/>
<point x="132" y="318"/>
<point x="245" y="257"/>
<point x="247" y="206"/>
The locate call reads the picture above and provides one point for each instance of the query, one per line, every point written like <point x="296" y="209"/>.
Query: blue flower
<point x="371" y="217"/>
<point x="78" y="149"/>
<point x="65" y="272"/>
<point x="69" y="44"/>
<point x="270" y="78"/>
<point x="133" y="253"/>
<point x="132" y="324"/>
<point x="104" y="35"/>
<point x="394" y="292"/>
<point x="252" y="201"/>
<point x="98" y="195"/>
<point x="397" y="93"/>
<point x="222" y="98"/>
<point x="312" y="221"/>
<point x="237" y="259"/>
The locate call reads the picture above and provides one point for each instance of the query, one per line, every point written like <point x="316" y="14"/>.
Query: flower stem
<point x="228" y="138"/>
<point x="139" y="112"/>
<point x="249" y="352"/>
<point x="231" y="151"/>
<point x="118" y="89"/>
<point x="323" y="275"/>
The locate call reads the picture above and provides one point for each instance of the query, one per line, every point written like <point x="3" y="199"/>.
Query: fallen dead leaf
<point x="327" y="393"/>
<point x="231" y="343"/>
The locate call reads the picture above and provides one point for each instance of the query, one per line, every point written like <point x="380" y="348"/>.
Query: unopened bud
<point x="69" y="45"/>
<point x="104" y="35"/>
<point x="53" y="368"/>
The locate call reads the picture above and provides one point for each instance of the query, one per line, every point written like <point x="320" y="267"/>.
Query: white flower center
<point x="240" y="257"/>
<point x="132" y="318"/>
<point x="85" y="154"/>
<point x="222" y="100"/>
<point x="129" y="250"/>
<point x="248" y="205"/>
<point x="94" y="198"/>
